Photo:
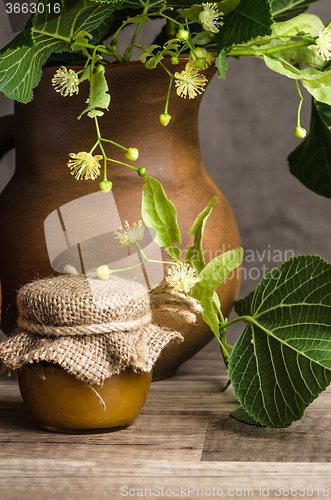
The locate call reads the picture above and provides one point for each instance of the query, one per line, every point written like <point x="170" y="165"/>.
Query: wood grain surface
<point x="184" y="444"/>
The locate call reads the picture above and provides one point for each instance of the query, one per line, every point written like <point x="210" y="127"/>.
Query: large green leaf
<point x="282" y="360"/>
<point x="286" y="9"/>
<point x="242" y="415"/>
<point x="21" y="62"/>
<point x="159" y="213"/>
<point x="252" y="18"/>
<point x="310" y="162"/>
<point x="194" y="254"/>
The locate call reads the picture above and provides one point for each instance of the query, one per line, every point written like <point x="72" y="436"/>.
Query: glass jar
<point x="59" y="402"/>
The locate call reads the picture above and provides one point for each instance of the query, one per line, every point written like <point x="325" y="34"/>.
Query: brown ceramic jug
<point x="46" y="130"/>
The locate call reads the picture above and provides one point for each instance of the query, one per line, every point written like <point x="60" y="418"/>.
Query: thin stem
<point x="145" y="259"/>
<point x="124" y="164"/>
<point x="97" y="128"/>
<point x="115" y="144"/>
<point x="225" y="353"/>
<point x="128" y="52"/>
<point x="100" y="48"/>
<point x="226" y="386"/>
<point x="289" y="65"/>
<point x="95" y="145"/>
<point x="300" y="104"/>
<point x="99" y="142"/>
<point x="112" y="271"/>
<point x="246" y="319"/>
<point x="140" y="250"/>
<point x="168" y="96"/>
<point x="168" y="18"/>
<point x="250" y="52"/>
<point x="104" y="162"/>
<point x="166" y="69"/>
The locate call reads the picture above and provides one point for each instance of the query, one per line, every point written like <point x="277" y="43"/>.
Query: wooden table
<point x="184" y="444"/>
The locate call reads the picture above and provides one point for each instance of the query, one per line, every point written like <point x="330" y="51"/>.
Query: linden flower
<point x="210" y="17"/>
<point x="181" y="278"/>
<point x="130" y="234"/>
<point x="65" y="81"/>
<point x="84" y="165"/>
<point x="323" y="44"/>
<point x="190" y="82"/>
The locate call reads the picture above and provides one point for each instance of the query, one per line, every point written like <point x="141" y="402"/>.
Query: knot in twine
<point x="92" y="328"/>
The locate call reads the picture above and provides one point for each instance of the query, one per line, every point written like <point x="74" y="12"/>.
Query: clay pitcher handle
<point x="7" y="134"/>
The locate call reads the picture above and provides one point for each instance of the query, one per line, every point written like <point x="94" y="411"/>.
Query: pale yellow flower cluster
<point x="190" y="82"/>
<point x="65" y="81"/>
<point x="323" y="44"/>
<point x="84" y="165"/>
<point x="181" y="278"/>
<point x="130" y="234"/>
<point x="210" y="17"/>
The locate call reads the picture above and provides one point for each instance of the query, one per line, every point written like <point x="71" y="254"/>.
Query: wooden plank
<point x="183" y="438"/>
<point x="99" y="479"/>
<point x="153" y="436"/>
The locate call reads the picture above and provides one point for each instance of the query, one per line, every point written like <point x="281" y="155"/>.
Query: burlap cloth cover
<point x="91" y="328"/>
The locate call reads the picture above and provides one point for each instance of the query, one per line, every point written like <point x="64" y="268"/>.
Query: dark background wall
<point x="246" y="133"/>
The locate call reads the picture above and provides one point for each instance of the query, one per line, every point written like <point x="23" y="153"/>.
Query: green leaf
<point x="242" y="415"/>
<point x="209" y="280"/>
<point x="191" y="14"/>
<point x="221" y="64"/>
<point x="215" y="273"/>
<point x="304" y="23"/>
<point x="169" y="48"/>
<point x="159" y="213"/>
<point x="23" y="39"/>
<point x="282" y="360"/>
<point x="283" y="10"/>
<point x="148" y="53"/>
<point x="194" y="254"/>
<point x="81" y="37"/>
<point x="301" y="56"/>
<point x="318" y="83"/>
<point x="21" y="64"/>
<point x="252" y="18"/>
<point x="98" y="97"/>
<point x="140" y="18"/>
<point x="227" y="6"/>
<point x="310" y="162"/>
<point x="243" y="306"/>
<point x="273" y="63"/>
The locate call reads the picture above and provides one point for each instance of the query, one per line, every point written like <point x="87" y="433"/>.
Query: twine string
<point x="42" y="329"/>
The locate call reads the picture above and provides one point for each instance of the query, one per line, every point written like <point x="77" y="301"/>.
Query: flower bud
<point x="201" y="59"/>
<point x="142" y="172"/>
<point x="132" y="154"/>
<point x="164" y="119"/>
<point x="200" y="62"/>
<point x="174" y="60"/>
<point x="300" y="132"/>
<point x="114" y="41"/>
<point x="182" y="35"/>
<point x="105" y="186"/>
<point x="103" y="272"/>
